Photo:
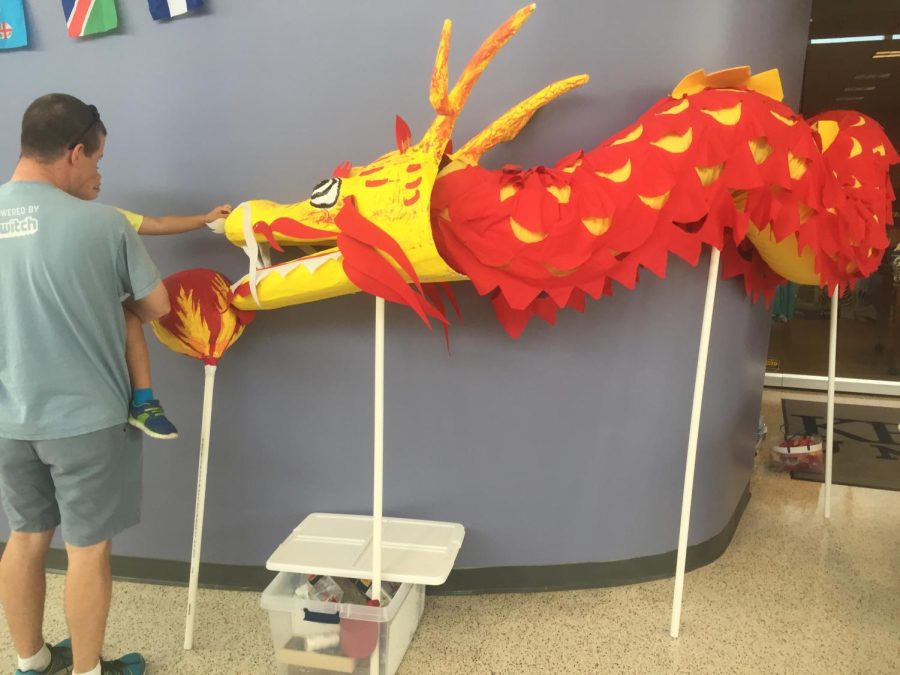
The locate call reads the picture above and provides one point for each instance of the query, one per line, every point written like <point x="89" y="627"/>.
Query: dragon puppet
<point x="720" y="162"/>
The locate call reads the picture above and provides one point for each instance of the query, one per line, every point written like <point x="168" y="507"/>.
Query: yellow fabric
<point x="767" y="83"/>
<point x="783" y="256"/>
<point x="135" y="219"/>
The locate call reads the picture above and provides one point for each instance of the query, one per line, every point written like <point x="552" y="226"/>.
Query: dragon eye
<point x="326" y="193"/>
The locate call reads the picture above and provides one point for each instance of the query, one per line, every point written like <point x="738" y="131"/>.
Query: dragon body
<point x="720" y="162"/>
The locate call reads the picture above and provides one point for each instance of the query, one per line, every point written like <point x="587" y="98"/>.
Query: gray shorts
<point x="89" y="484"/>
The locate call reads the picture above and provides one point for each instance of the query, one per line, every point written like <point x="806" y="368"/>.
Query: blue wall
<point x="565" y="446"/>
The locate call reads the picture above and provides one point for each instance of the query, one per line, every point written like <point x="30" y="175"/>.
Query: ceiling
<point x="833" y="68"/>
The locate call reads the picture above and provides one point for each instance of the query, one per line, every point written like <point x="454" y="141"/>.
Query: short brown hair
<point x="55" y="123"/>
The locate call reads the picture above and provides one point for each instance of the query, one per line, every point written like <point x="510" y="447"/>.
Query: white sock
<point x="95" y="671"/>
<point x="37" y="662"/>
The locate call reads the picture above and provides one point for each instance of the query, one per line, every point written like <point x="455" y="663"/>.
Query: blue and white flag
<point x="166" y="9"/>
<point x="12" y="24"/>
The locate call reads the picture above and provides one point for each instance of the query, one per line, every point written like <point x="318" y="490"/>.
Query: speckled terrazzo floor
<point x="792" y="594"/>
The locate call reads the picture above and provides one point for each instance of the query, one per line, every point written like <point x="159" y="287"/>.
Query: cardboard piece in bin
<point x="339" y="545"/>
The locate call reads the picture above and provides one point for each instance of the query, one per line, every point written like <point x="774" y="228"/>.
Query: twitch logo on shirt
<point x="18" y="222"/>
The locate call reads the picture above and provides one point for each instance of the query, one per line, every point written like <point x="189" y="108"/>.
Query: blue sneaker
<point x="130" y="664"/>
<point x="60" y="661"/>
<point x="150" y="418"/>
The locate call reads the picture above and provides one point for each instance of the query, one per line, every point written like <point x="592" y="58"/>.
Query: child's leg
<point x="145" y="412"/>
<point x="137" y="355"/>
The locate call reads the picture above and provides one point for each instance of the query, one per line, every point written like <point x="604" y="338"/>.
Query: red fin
<point x="403" y="134"/>
<point x="342" y="170"/>
<point x="265" y="230"/>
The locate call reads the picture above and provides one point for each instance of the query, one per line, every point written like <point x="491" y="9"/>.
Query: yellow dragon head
<point x="377" y="214"/>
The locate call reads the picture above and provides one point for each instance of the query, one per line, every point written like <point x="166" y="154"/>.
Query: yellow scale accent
<point x="674" y="143"/>
<point x="571" y="169"/>
<point x="860" y="122"/>
<point x="828" y="131"/>
<point x="526" y="235"/>
<point x="805" y="212"/>
<point x="657" y="202"/>
<point x="633" y="136"/>
<point x="597" y="226"/>
<point x="562" y="194"/>
<point x="620" y="175"/>
<point x="856" y="183"/>
<point x="856" y="149"/>
<point x="783" y="119"/>
<point x="739" y="197"/>
<point x="797" y="166"/>
<point x="508" y="191"/>
<point x="557" y="272"/>
<point x="675" y="109"/>
<point x="879" y="150"/>
<point x="760" y="148"/>
<point x="727" y="116"/>
<point x="709" y="174"/>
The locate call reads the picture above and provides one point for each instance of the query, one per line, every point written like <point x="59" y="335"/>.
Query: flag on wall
<point x="12" y="24"/>
<point x="86" y="17"/>
<point x="166" y="9"/>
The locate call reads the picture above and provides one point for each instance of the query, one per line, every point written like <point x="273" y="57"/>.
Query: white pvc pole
<point x="693" y="437"/>
<point x="378" y="483"/>
<point x="378" y="473"/>
<point x="832" y="362"/>
<point x="210" y="381"/>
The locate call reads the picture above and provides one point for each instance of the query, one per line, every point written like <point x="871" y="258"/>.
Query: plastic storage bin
<point x="314" y="638"/>
<point x="798" y="453"/>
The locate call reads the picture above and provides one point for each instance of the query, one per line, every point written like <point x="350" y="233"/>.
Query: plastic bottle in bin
<point x="321" y="588"/>
<point x="388" y="589"/>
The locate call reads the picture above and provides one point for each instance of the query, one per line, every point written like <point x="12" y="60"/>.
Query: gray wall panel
<point x="565" y="446"/>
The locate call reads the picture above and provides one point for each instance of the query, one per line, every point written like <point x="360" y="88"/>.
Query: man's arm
<point x="179" y="224"/>
<point x="154" y="305"/>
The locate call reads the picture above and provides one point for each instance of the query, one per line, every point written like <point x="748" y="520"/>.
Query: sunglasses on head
<point x="95" y="117"/>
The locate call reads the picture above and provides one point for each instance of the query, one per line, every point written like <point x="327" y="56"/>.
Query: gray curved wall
<point x="565" y="446"/>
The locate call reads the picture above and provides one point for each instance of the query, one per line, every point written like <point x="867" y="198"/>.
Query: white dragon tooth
<point x="265" y="255"/>
<point x="251" y="248"/>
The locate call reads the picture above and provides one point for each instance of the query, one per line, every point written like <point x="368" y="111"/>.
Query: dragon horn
<point x="449" y="103"/>
<point x="507" y="127"/>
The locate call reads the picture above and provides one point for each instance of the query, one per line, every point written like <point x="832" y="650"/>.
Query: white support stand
<point x="209" y="384"/>
<point x="693" y="438"/>
<point x="378" y="473"/>
<point x="832" y="361"/>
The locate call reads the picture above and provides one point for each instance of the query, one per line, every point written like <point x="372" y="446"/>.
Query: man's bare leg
<point x="23" y="587"/>
<point x="88" y="593"/>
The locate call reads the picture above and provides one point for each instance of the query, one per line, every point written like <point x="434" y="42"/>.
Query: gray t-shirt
<point x="65" y="266"/>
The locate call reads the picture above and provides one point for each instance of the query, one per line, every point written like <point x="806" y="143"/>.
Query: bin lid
<point x="340" y="545"/>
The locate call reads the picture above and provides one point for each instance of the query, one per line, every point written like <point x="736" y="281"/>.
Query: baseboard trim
<point x="467" y="581"/>
<point x="533" y="579"/>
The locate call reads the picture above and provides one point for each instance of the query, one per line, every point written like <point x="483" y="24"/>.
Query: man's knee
<point x="30" y="544"/>
<point x="96" y="554"/>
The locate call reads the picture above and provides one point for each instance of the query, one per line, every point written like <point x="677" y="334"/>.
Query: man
<point x="67" y="457"/>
